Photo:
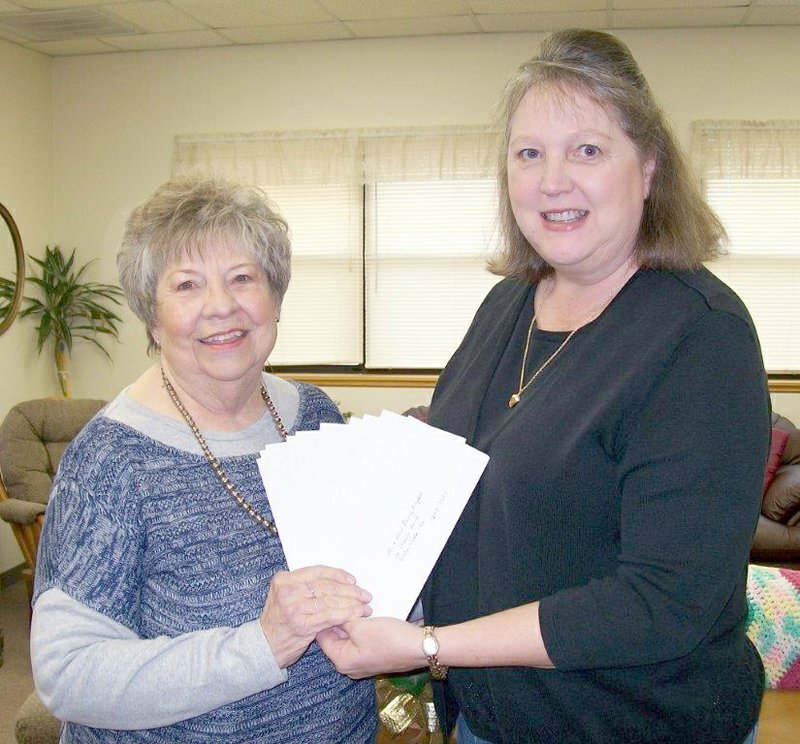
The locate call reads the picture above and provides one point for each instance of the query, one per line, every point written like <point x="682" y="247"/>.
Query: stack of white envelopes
<point x="378" y="497"/>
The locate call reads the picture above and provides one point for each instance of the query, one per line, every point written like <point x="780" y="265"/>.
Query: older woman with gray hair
<point x="164" y="610"/>
<point x="594" y="587"/>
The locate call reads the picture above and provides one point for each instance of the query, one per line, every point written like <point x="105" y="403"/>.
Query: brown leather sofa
<point x="777" y="539"/>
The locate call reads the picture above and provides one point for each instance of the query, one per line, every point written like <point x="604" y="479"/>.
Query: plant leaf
<point x="68" y="307"/>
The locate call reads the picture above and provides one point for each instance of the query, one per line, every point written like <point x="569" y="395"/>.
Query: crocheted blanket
<point x="773" y="622"/>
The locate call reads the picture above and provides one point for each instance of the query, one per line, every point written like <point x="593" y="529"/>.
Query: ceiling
<point x="69" y="27"/>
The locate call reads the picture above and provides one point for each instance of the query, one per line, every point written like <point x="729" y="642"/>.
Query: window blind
<point x="751" y="178"/>
<point x="426" y="250"/>
<point x="390" y="234"/>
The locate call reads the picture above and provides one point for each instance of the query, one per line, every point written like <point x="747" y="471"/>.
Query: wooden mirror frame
<point x="13" y="309"/>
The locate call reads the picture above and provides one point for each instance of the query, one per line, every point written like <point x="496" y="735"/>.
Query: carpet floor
<point x="16" y="681"/>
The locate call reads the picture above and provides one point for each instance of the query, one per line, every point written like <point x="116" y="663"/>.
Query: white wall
<point x="26" y="189"/>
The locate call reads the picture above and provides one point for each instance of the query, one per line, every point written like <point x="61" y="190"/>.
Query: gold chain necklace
<point x="216" y="466"/>
<point x="523" y="386"/>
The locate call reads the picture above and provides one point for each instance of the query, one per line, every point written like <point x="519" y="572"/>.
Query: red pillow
<point x="777" y="444"/>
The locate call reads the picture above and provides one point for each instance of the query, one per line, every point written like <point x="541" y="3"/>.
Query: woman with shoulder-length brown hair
<point x="594" y="588"/>
<point x="678" y="229"/>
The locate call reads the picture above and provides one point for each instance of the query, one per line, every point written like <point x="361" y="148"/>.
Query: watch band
<point x="430" y="647"/>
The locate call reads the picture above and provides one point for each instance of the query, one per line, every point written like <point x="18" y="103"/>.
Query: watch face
<point x="430" y="646"/>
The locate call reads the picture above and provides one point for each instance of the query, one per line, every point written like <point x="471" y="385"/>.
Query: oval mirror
<point x="12" y="270"/>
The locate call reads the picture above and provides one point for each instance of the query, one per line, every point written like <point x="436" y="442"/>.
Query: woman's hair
<point x="188" y="216"/>
<point x="678" y="229"/>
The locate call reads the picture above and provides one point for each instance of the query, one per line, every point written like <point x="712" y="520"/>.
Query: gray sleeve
<point x="91" y="670"/>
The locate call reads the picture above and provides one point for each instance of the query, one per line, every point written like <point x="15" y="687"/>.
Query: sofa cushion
<point x="777" y="444"/>
<point x="35" y="724"/>
<point x="781" y="502"/>
<point x="20" y="512"/>
<point x="33" y="438"/>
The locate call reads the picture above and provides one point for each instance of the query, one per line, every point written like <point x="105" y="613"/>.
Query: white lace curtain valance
<point x="350" y="157"/>
<point x="747" y="149"/>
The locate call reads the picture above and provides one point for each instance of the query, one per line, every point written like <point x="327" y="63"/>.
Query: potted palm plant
<point x="70" y="308"/>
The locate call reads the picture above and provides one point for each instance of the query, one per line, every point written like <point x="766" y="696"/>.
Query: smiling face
<point x="577" y="183"/>
<point x="216" y="318"/>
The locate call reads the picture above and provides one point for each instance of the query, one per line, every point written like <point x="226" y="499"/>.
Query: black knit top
<point x="622" y="492"/>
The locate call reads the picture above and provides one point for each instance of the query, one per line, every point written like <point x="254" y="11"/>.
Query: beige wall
<point x="113" y="118"/>
<point x="788" y="405"/>
<point x="26" y="189"/>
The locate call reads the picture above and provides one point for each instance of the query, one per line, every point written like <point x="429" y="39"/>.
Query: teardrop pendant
<point x="513" y="400"/>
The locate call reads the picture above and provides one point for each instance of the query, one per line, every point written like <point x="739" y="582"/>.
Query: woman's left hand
<point x="381" y="645"/>
<point x="303" y="602"/>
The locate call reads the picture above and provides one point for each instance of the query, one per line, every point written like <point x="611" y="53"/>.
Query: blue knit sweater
<point x="144" y="534"/>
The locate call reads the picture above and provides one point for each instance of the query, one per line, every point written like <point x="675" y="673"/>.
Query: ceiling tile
<point x="774" y="16"/>
<point x="521" y="22"/>
<point x="9" y="35"/>
<point x="347" y="10"/>
<point x="489" y="7"/>
<point x="293" y="32"/>
<point x="413" y="26"/>
<point x="71" y="47"/>
<point x="154" y="15"/>
<point x="173" y="40"/>
<point x="678" y="18"/>
<point x="688" y="4"/>
<point x="238" y="13"/>
<point x="86" y="22"/>
<point x="57" y="4"/>
<point x="275" y="21"/>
